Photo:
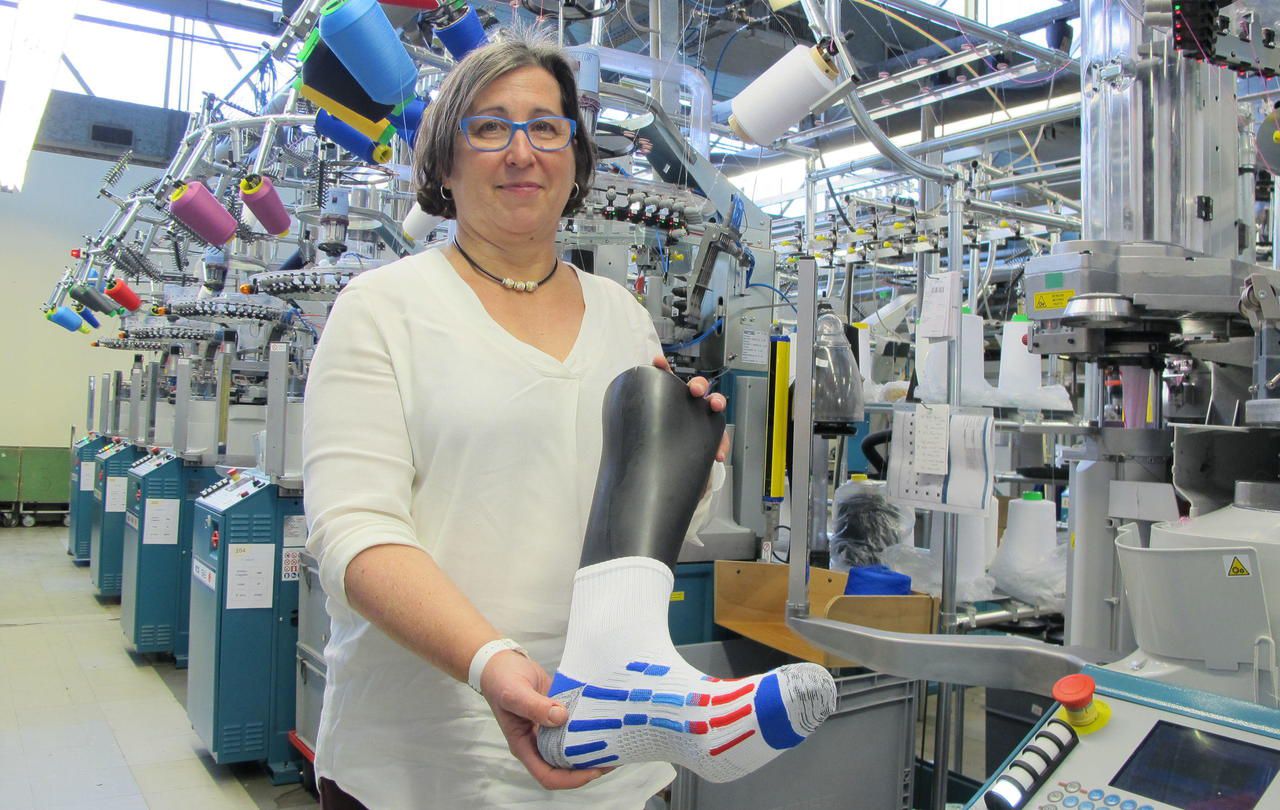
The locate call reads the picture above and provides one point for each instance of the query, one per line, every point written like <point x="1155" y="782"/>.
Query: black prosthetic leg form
<point x="659" y="444"/>
<point x="630" y="696"/>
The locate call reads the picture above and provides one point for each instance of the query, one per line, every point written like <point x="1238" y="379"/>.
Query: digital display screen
<point x="1194" y="770"/>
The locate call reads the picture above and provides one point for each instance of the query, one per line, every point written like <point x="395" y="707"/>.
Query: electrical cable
<point x="904" y="21"/>
<point x="688" y="344"/>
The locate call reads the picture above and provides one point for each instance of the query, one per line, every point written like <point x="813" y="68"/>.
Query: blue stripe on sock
<point x="593" y="763"/>
<point x="594" y="725"/>
<point x="585" y="748"/>
<point x="771" y="713"/>
<point x="668" y="699"/>
<point x="600" y="693"/>
<point x="656" y="670"/>
<point x="641" y="695"/>
<point x="562" y="683"/>
<point x="637" y="666"/>
<point x="634" y="719"/>
<point x="662" y="722"/>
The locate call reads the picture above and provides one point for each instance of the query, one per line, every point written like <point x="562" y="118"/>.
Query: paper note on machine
<point x="967" y="484"/>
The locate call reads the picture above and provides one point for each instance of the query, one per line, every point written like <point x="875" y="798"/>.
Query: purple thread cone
<point x="264" y="201"/>
<point x="197" y="208"/>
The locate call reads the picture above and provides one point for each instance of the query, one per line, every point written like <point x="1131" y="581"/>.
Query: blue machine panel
<point x="106" y="541"/>
<point x="156" y="578"/>
<point x="1160" y="747"/>
<point x="244" y="622"/>
<point x="84" y="473"/>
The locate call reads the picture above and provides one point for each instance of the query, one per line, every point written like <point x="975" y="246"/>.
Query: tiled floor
<point x="85" y="724"/>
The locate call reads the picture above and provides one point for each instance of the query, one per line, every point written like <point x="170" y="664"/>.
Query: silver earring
<point x="442" y="192"/>
<point x="576" y="191"/>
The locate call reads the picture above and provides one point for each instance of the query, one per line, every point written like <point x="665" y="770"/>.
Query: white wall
<point x="44" y="368"/>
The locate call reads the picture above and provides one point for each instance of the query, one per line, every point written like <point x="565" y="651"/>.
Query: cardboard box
<point x="751" y="599"/>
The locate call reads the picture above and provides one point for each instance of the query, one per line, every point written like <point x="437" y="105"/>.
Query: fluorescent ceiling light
<point x="39" y="34"/>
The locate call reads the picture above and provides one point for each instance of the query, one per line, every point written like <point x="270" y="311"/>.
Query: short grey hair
<point x="433" y="152"/>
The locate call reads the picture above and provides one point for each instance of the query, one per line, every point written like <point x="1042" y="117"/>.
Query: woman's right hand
<point x="516" y="689"/>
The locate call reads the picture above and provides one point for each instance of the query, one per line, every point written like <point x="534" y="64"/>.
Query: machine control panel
<point x="1149" y="746"/>
<point x="231" y="490"/>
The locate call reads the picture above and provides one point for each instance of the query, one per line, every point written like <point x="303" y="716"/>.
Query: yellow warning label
<point x="1237" y="569"/>
<point x="1051" y="299"/>
<point x="677" y="596"/>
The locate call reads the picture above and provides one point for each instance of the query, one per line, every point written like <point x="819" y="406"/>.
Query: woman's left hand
<point x="699" y="387"/>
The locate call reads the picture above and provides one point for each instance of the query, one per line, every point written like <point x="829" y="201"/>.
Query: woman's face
<point x="518" y="191"/>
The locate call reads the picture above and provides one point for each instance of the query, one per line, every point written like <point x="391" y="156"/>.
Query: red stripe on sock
<point x="720" y="749"/>
<point x="701" y="700"/>
<point x="733" y="716"/>
<point x="729" y="697"/>
<point x="697" y="727"/>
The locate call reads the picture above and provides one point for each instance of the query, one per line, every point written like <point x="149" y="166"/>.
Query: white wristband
<point x="483" y="655"/>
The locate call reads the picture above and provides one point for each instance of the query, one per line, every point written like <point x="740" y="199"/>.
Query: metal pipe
<point x="806" y="299"/>
<point x="956" y="201"/>
<point x="858" y="112"/>
<point x="1038" y="217"/>
<point x="931" y="96"/>
<point x="1003" y="39"/>
<point x="1044" y="176"/>
<point x="1040" y="119"/>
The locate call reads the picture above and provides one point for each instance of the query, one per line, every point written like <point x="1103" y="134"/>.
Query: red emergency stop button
<point x="77" y="253"/>
<point x="1075" y="693"/>
<point x="213" y="540"/>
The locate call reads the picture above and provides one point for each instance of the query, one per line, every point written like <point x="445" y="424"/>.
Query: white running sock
<point x="632" y="698"/>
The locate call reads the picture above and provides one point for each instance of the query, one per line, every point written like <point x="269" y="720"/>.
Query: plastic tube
<point x="380" y="130"/>
<point x="463" y="35"/>
<point x="86" y="314"/>
<point x="66" y="318"/>
<point x="425" y="5"/>
<point x="264" y="201"/>
<point x="360" y="34"/>
<point x="197" y="208"/>
<point x="124" y="294"/>
<point x="638" y="66"/>
<point x="408" y="119"/>
<point x="351" y="140"/>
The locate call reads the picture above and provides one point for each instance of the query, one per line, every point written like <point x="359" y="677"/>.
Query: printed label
<point x="204" y="574"/>
<point x="86" y="476"/>
<point x="1235" y="566"/>
<point x="131" y="520"/>
<point x="290" y="562"/>
<point x="677" y="596"/>
<point x="1055" y="299"/>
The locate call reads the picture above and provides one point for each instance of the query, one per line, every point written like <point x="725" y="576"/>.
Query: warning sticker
<point x="1236" y="566"/>
<point x="1054" y="299"/>
<point x="677" y="596"/>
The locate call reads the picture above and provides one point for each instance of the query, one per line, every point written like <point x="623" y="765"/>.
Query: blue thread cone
<point x="361" y="36"/>
<point x="463" y="35"/>
<point x="407" y="120"/>
<point x="66" y="318"/>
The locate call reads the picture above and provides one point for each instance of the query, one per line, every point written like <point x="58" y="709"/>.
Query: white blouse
<point x="429" y="425"/>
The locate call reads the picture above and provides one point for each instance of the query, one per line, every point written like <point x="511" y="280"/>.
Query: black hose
<point x="869" y="444"/>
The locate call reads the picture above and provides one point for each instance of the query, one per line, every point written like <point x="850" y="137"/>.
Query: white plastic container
<point x="1019" y="368"/>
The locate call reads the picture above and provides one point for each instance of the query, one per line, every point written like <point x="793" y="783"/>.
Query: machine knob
<point x="1075" y="693"/>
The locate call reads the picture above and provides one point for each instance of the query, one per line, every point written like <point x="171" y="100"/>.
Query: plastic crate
<point x="861" y="758"/>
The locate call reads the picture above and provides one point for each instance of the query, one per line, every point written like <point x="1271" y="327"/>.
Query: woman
<point x="452" y="438"/>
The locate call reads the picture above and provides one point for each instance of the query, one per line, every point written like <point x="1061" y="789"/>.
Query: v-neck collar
<point x="570" y="366"/>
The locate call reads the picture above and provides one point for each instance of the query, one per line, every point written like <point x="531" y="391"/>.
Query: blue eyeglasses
<point x="490" y="133"/>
